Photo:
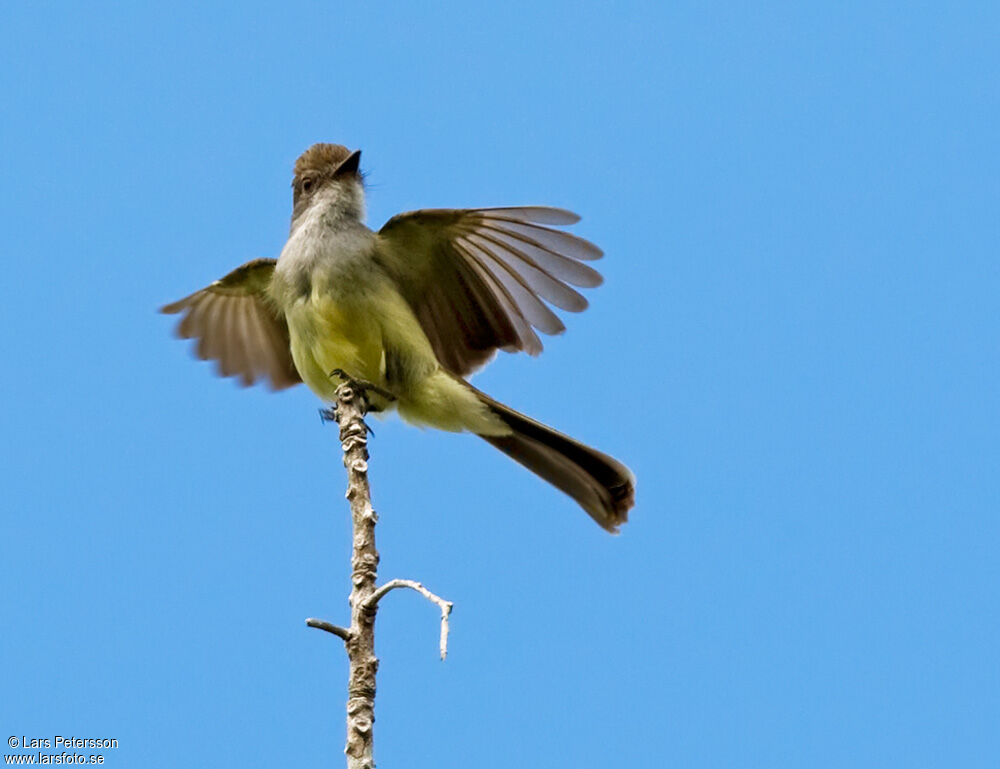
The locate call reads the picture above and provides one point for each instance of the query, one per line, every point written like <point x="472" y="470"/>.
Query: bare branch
<point x="329" y="627"/>
<point x="359" y="638"/>
<point x="445" y="606"/>
<point x="351" y="409"/>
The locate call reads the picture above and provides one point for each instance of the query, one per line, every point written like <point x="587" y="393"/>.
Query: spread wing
<point x="479" y="279"/>
<point x="236" y="324"/>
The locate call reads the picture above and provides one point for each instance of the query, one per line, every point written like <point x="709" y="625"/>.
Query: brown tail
<point x="602" y="486"/>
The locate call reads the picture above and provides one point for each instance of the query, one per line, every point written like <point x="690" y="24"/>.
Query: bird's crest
<point x="321" y="158"/>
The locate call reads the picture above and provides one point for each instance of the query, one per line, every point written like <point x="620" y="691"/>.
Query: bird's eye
<point x="307" y="184"/>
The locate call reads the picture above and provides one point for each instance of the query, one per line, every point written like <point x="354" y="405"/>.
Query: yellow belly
<point x="328" y="335"/>
<point x="352" y="333"/>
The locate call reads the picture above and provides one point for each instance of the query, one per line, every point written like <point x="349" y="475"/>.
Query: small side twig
<point x="445" y="606"/>
<point x="329" y="627"/>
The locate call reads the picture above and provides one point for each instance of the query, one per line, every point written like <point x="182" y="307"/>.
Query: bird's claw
<point x="362" y="387"/>
<point x="328" y="415"/>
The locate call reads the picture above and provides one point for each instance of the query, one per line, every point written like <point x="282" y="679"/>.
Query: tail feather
<point x="600" y="484"/>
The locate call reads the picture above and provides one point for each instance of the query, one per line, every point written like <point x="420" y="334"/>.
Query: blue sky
<point x="795" y="349"/>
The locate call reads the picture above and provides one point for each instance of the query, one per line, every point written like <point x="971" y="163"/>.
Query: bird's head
<point x="328" y="175"/>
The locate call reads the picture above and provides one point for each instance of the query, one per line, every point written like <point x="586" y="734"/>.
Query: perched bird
<point x="411" y="309"/>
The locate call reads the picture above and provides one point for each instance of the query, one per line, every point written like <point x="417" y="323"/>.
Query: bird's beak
<point x="349" y="166"/>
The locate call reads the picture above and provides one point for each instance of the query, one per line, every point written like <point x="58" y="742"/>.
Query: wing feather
<point x="478" y="279"/>
<point x="541" y="280"/>
<point x="526" y="338"/>
<point x="236" y="325"/>
<point x="537" y="214"/>
<point x="561" y="267"/>
<point x="557" y="241"/>
<point x="527" y="301"/>
<point x="208" y="320"/>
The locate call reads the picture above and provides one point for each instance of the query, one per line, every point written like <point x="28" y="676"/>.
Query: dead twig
<point x="445" y="606"/>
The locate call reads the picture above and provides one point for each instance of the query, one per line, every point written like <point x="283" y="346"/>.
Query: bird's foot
<point x="363" y="388"/>
<point x="328" y="415"/>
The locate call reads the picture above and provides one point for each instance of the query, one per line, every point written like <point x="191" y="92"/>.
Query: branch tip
<point x="441" y="603"/>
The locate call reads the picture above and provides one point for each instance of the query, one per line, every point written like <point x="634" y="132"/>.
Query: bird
<point x="411" y="310"/>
